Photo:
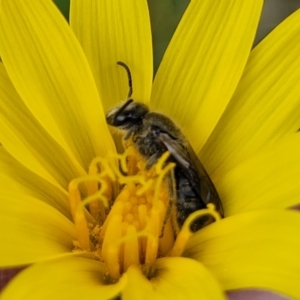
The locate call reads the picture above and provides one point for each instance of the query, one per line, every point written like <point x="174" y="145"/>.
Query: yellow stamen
<point x="152" y="241"/>
<point x="110" y="250"/>
<point x="185" y="232"/>
<point x="78" y="216"/>
<point x="100" y="165"/>
<point x="79" y="211"/>
<point x="166" y="244"/>
<point x="131" y="248"/>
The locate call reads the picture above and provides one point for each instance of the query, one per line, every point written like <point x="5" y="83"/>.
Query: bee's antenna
<point x="120" y="63"/>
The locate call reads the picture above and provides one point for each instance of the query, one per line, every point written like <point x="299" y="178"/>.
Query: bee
<point x="152" y="134"/>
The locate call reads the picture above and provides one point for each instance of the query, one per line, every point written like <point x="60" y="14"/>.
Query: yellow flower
<point x="241" y="119"/>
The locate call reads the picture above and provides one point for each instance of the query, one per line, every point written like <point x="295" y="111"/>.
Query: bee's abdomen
<point x="188" y="201"/>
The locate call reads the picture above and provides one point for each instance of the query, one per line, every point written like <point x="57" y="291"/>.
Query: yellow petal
<point x="23" y="136"/>
<point x="266" y="104"/>
<point x="252" y="250"/>
<point x="203" y="64"/>
<point x="270" y="179"/>
<point x="111" y="31"/>
<point x="32" y="231"/>
<point x="18" y="180"/>
<point x="66" y="279"/>
<point x="52" y="76"/>
<point x="172" y="278"/>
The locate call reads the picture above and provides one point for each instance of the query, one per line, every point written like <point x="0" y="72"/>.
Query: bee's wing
<point x="192" y="168"/>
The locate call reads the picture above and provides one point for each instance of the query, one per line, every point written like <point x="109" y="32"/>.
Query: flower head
<point x="94" y="229"/>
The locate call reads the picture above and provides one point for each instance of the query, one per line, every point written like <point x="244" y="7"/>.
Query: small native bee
<point x="153" y="134"/>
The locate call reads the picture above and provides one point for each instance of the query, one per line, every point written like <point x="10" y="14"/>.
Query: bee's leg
<point x="153" y="159"/>
<point x="129" y="133"/>
<point x="173" y="194"/>
<point x="167" y="217"/>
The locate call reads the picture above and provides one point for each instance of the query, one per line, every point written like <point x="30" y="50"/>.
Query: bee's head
<point x="130" y="113"/>
<point x="127" y="115"/>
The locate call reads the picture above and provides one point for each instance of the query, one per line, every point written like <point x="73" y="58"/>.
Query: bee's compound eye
<point x="128" y="115"/>
<point x="120" y="119"/>
<point x="123" y="118"/>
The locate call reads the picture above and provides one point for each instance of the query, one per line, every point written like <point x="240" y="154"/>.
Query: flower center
<point x="123" y="215"/>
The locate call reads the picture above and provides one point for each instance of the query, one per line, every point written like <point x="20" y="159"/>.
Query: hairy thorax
<point x="146" y="136"/>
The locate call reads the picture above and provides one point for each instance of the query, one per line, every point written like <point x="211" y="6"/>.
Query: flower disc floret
<point x="123" y="215"/>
